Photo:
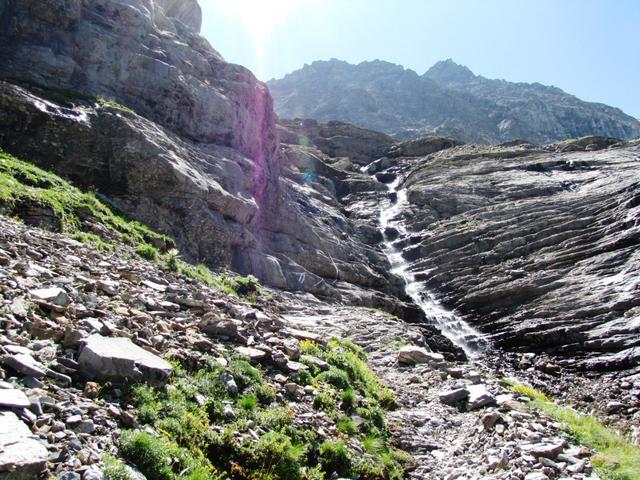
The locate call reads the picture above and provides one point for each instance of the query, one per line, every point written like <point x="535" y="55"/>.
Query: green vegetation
<point x="44" y="199"/>
<point x="148" y="251"/>
<point x="103" y="102"/>
<point x="617" y="457"/>
<point x="202" y="426"/>
<point x="240" y="286"/>
<point x="41" y="198"/>
<point x="114" y="469"/>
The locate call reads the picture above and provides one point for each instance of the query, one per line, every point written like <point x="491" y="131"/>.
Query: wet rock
<point x="22" y="457"/>
<point x="120" y="360"/>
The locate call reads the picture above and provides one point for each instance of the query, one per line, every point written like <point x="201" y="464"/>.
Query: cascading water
<point x="452" y="326"/>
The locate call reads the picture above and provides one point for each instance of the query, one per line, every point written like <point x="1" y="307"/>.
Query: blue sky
<point x="590" y="48"/>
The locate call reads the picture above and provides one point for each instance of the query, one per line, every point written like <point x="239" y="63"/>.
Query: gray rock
<point x="451" y="397"/>
<point x="120" y="360"/>
<point x="479" y="397"/>
<point x="22" y="456"/>
<point x="13" y="398"/>
<point x="54" y="295"/>
<point x="546" y="449"/>
<point x="25" y="364"/>
<point x="411" y="355"/>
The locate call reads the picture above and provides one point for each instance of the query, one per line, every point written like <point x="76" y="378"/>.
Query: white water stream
<point x="451" y="325"/>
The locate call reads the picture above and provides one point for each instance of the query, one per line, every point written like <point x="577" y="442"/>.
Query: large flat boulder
<point x="22" y="457"/>
<point x="120" y="360"/>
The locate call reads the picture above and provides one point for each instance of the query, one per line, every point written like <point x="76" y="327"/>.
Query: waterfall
<point x="452" y="326"/>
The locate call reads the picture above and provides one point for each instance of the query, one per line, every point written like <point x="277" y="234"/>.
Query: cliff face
<point x="447" y="100"/>
<point x="199" y="159"/>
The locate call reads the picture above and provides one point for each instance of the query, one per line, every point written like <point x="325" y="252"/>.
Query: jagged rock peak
<point x="447" y="70"/>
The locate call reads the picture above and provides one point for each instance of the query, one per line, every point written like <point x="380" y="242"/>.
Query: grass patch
<point x="43" y="199"/>
<point x="103" y="102"/>
<point x="262" y="439"/>
<point x="148" y="252"/>
<point x="616" y="459"/>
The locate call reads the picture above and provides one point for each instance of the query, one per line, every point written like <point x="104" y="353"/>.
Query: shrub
<point x="335" y="456"/>
<point x="114" y="469"/>
<point x="248" y="402"/>
<point x="349" y="399"/>
<point x="148" y="252"/>
<point x="336" y="377"/>
<point x="150" y="454"/>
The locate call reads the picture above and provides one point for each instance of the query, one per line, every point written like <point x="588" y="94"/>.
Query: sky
<point x="589" y="48"/>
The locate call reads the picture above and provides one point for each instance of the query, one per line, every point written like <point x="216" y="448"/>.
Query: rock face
<point x="447" y="100"/>
<point x="134" y="52"/>
<point x="199" y="160"/>
<point x="539" y="249"/>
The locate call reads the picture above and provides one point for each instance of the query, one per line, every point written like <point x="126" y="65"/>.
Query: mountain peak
<point x="447" y="71"/>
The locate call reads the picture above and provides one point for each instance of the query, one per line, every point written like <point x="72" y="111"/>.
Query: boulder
<point x="54" y="295"/>
<point x="121" y="361"/>
<point x="13" y="398"/>
<point x="411" y="355"/>
<point x="453" y="396"/>
<point x="479" y="397"/>
<point x="22" y="456"/>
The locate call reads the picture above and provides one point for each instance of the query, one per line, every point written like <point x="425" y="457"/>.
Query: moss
<point x="617" y="458"/>
<point x="104" y="103"/>
<point x="24" y="186"/>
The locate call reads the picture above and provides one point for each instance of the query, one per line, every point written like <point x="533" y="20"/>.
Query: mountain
<point x="449" y="100"/>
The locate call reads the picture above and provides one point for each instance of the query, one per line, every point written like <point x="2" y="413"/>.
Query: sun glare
<point x="261" y="17"/>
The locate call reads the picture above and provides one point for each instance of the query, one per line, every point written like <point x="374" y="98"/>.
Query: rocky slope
<point x="78" y="322"/>
<point x="447" y="100"/>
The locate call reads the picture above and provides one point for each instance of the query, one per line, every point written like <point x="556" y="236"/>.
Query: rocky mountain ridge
<point x="447" y="100"/>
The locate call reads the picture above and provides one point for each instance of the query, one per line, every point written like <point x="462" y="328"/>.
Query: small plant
<point x="336" y="377"/>
<point x="348" y="399"/>
<point x="114" y="469"/>
<point x="148" y="252"/>
<point x="246" y="285"/>
<point x="103" y="102"/>
<point x="336" y="457"/>
<point x="347" y="426"/>
<point x="150" y="454"/>
<point x="248" y="402"/>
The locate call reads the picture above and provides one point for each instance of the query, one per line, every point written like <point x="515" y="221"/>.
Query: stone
<point x="25" y="364"/>
<point x="614" y="406"/>
<point x="479" y="397"/>
<point x="253" y="354"/>
<point x="546" y="449"/>
<point x="13" y="398"/>
<point x="120" y="360"/>
<point x="536" y="476"/>
<point x="412" y="355"/>
<point x="56" y="296"/>
<point x="489" y="419"/>
<point x="452" y="397"/>
<point x="22" y="456"/>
